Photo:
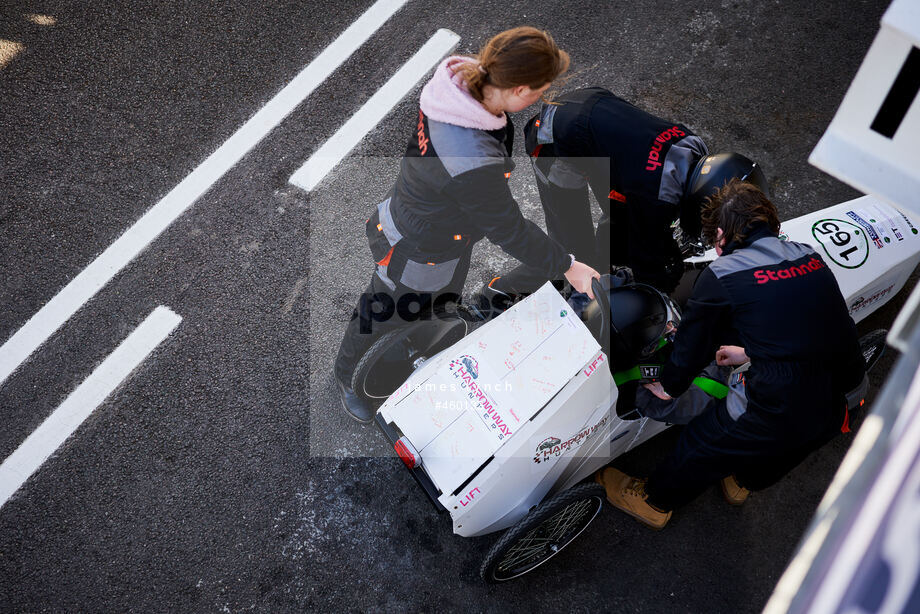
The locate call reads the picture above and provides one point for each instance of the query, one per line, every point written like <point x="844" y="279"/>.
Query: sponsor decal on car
<point x="470" y="363"/>
<point x="864" y="301"/>
<point x="590" y="369"/>
<point x="468" y="498"/>
<point x="845" y="243"/>
<point x="465" y="369"/>
<point x="548" y="444"/>
<point x="910" y="225"/>
<point x="886" y="222"/>
<point x="553" y="447"/>
<point x="869" y="229"/>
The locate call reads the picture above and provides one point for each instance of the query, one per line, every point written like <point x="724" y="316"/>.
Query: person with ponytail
<point x="451" y="191"/>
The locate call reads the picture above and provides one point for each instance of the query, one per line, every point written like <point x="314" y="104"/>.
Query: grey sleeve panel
<point x="537" y="172"/>
<point x="464" y="149"/>
<point x="764" y="252"/>
<point x="677" y="165"/>
<point x="389" y="226"/>
<point x="383" y="274"/>
<point x="545" y="131"/>
<point x="736" y="402"/>
<point x="564" y="174"/>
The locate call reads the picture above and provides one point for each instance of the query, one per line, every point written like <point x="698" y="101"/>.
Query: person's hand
<point x="731" y="356"/>
<point x="658" y="390"/>
<point x="580" y="276"/>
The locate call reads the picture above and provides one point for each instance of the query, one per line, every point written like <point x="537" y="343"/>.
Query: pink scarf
<point x="446" y="99"/>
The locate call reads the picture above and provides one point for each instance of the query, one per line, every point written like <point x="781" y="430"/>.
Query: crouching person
<point x="804" y="357"/>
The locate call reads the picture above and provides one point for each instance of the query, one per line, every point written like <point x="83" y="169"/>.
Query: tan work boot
<point x="734" y="493"/>
<point x="628" y="494"/>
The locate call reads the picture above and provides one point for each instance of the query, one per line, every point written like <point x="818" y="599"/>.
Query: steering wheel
<point x="601" y="289"/>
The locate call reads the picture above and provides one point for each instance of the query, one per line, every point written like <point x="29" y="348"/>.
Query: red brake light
<point x="407" y="453"/>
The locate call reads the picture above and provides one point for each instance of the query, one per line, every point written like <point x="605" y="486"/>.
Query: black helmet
<point x="640" y="318"/>
<point x="710" y="174"/>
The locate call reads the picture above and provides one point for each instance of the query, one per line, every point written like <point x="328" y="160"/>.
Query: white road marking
<point x="61" y="424"/>
<point x="350" y="134"/>
<point x="85" y="285"/>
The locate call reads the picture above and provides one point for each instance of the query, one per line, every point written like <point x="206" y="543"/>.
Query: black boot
<point x="355" y="406"/>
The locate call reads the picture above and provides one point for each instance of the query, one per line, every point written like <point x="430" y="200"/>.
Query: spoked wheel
<point x="540" y="535"/>
<point x="397" y="354"/>
<point x="872" y="346"/>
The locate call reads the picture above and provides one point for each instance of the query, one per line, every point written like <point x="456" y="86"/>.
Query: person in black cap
<point x="645" y="173"/>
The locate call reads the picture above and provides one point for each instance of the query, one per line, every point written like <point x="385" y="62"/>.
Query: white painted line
<point x="61" y="424"/>
<point x="350" y="134"/>
<point x="85" y="285"/>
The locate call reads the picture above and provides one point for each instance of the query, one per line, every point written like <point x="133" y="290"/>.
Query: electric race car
<point x="502" y="423"/>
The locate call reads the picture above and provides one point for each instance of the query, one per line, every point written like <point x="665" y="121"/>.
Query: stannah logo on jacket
<point x="654" y="153"/>
<point x="763" y="276"/>
<point x="422" y="139"/>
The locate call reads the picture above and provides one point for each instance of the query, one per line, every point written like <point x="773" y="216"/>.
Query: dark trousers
<point x="641" y="238"/>
<point x="647" y="248"/>
<point x="569" y="220"/>
<point x="381" y="309"/>
<point x="758" y="450"/>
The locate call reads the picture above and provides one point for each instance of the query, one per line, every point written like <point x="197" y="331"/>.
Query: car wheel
<point x="397" y="354"/>
<point x="543" y="533"/>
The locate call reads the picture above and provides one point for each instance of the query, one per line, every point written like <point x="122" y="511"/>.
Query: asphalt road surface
<point x="222" y="475"/>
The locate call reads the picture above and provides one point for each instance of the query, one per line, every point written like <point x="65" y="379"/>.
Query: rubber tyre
<point x="389" y="361"/>
<point x="584" y="501"/>
<point x="872" y="346"/>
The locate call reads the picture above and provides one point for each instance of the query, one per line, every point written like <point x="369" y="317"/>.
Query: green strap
<point x="630" y="375"/>
<point x="711" y="387"/>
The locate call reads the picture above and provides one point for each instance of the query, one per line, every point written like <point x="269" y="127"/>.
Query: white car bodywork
<point x="495" y="454"/>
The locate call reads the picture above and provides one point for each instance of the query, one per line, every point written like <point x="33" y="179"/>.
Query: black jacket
<point x="452" y="190"/>
<point x="623" y="152"/>
<point x="780" y="301"/>
<point x="636" y="164"/>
